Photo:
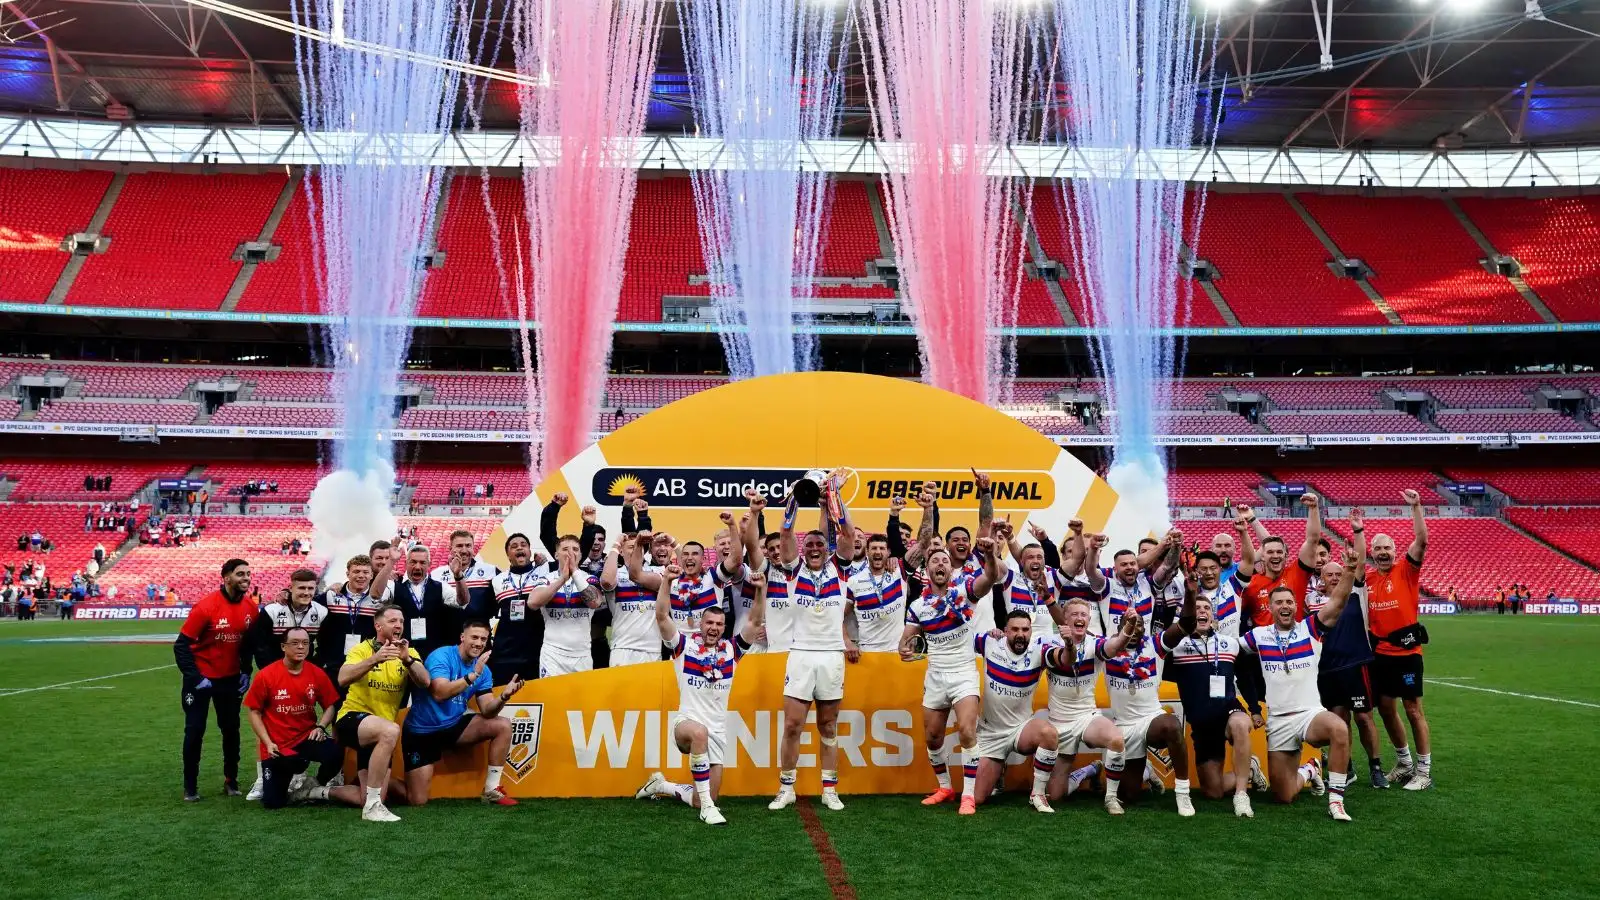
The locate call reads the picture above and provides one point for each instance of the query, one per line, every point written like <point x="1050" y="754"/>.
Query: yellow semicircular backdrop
<point x="694" y="458"/>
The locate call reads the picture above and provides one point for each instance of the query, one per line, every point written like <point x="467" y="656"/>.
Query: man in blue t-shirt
<point x="439" y="720"/>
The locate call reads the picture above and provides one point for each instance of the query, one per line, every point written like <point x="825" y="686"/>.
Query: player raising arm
<point x="1290" y="650"/>
<point x="705" y="662"/>
<point x="1397" y="639"/>
<point x="942" y="616"/>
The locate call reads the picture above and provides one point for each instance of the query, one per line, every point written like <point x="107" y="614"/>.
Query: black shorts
<point x="424" y="748"/>
<point x="1350" y="689"/>
<point x="1397" y="676"/>
<point x="348" y="728"/>
<point x="277" y="772"/>
<point x="1209" y="737"/>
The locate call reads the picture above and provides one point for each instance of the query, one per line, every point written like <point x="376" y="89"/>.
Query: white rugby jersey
<point x="818" y="598"/>
<point x="1117" y="598"/>
<point x="946" y="622"/>
<point x="780" y="610"/>
<point x="1009" y="680"/>
<point x="1226" y="606"/>
<point x="705" y="677"/>
<point x="633" y="614"/>
<point x="1289" y="663"/>
<point x="1021" y="593"/>
<point x="1072" y="681"/>
<point x="284" y="616"/>
<point x="880" y="605"/>
<point x="1133" y="680"/>
<point x="694" y="594"/>
<point x="567" y="615"/>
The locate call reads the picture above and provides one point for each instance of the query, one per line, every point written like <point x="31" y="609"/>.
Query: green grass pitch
<point x="89" y="807"/>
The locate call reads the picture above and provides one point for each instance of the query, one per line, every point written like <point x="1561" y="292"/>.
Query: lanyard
<point x="877" y="589"/>
<point x="296" y="621"/>
<point x="1283" y="647"/>
<point x="412" y="590"/>
<point x="352" y="607"/>
<point x="1205" y="648"/>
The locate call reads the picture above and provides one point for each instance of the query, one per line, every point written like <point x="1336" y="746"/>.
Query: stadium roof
<point x="1406" y="73"/>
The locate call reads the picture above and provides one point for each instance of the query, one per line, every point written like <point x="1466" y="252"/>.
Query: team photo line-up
<point x="1319" y="640"/>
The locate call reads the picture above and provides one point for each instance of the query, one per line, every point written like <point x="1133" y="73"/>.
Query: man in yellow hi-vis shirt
<point x="376" y="673"/>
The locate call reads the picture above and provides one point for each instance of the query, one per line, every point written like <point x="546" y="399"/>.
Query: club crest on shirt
<point x="526" y="722"/>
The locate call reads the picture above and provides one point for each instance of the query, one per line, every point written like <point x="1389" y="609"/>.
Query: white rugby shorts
<point x="716" y="737"/>
<point x="622" y="656"/>
<point x="553" y="662"/>
<point x="942" y="690"/>
<point x="1288" y="732"/>
<point x="999" y="744"/>
<point x="1069" y="734"/>
<point x="814" y="675"/>
<point x="1134" y="734"/>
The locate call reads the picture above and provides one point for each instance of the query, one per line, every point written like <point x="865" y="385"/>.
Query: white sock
<point x="1078" y="777"/>
<point x="1403" y="756"/>
<point x="374" y="795"/>
<point x="941" y="769"/>
<point x="1306" y="771"/>
<point x="830" y="781"/>
<point x="1113" y="776"/>
<point x="1335" y="787"/>
<point x="786" y="780"/>
<point x="1044" y="762"/>
<point x="1180" y="786"/>
<point x="700" y="767"/>
<point x="1424" y="763"/>
<point x="969" y="772"/>
<point x="684" y="792"/>
<point x="493" y="781"/>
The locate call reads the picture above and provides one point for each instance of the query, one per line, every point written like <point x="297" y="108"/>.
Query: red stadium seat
<point x="38" y="209"/>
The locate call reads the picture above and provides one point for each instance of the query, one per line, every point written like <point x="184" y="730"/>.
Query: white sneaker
<point x="1154" y="782"/>
<point x="1185" y="806"/>
<point x="377" y="812"/>
<point x="831" y="800"/>
<point x="785" y="798"/>
<point x="1113" y="805"/>
<point x="652" y="787"/>
<point x="1421" y="781"/>
<point x="1336" y="811"/>
<point x="255" y="790"/>
<point x="1318" y="786"/>
<point x="1399" y="775"/>
<point x="712" y="816"/>
<point x="1258" y="778"/>
<point x="336" y="781"/>
<point x="1040" y="802"/>
<point x="1241" y="806"/>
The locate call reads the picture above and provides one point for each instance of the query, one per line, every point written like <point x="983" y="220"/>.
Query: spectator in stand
<point x="35" y="539"/>
<point x="91" y="570"/>
<point x="47" y="545"/>
<point x="22" y="542"/>
<point x="74" y="596"/>
<point x="88" y="521"/>
<point x="1551" y="596"/>
<point x="150" y="593"/>
<point x="100" y="553"/>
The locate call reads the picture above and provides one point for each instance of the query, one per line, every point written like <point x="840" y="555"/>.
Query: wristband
<point x="1358" y="530"/>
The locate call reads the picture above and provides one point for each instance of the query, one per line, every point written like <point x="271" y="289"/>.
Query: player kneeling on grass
<point x="705" y="663"/>
<point x="282" y="702"/>
<point x="1132" y="683"/>
<point x="1290" y="649"/>
<point x="1200" y="661"/>
<point x="1012" y="662"/>
<point x="377" y="674"/>
<point x="439" y="720"/>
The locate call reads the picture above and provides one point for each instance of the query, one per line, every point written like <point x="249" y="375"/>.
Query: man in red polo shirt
<point x="283" y="700"/>
<point x="1397" y="641"/>
<point x="216" y="672"/>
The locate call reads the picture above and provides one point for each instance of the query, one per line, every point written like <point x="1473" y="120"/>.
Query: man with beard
<point x="1011" y="665"/>
<point x="439" y="720"/>
<point x="1119" y="591"/>
<point x="706" y="663"/>
<point x="815" y="671"/>
<point x="216" y="672"/>
<point x="699" y="586"/>
<point x="1397" y="639"/>
<point x="1276" y="569"/>
<point x="468" y="576"/>
<point x="1072" y="710"/>
<point x="875" y="599"/>
<point x="378" y="675"/>
<point x="957" y="539"/>
<point x="633" y="609"/>
<point x="430" y="605"/>
<point x="764" y="557"/>
<point x="1032" y="585"/>
<point x="519" y="632"/>
<point x="942" y="617"/>
<point x="1132" y="683"/>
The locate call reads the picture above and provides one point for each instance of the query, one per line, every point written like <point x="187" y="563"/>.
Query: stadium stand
<point x="288" y="384"/>
<point x="1475" y="555"/>
<point x="1541" y="420"/>
<point x="1211" y="487"/>
<point x="1556" y="239"/>
<point x="851" y="238"/>
<point x="1575" y="530"/>
<point x="1290" y="284"/>
<point x="663" y="249"/>
<point x="288" y="284"/>
<point x="294" y="480"/>
<point x="38" y="209"/>
<point x="1365" y="486"/>
<point x="1537" y="484"/>
<point x="468" y="284"/>
<point x="159" y="413"/>
<point x="171" y="239"/>
<point x="62" y="524"/>
<point x="459" y="419"/>
<point x="252" y="413"/>
<point x="49" y="479"/>
<point x="1425" y="265"/>
<point x="433" y="483"/>
<point x="1346" y="422"/>
<point x="1318" y="393"/>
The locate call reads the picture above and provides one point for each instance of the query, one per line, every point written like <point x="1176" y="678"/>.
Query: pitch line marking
<point x="1473" y="687"/>
<point x="832" y="865"/>
<point x="50" y="687"/>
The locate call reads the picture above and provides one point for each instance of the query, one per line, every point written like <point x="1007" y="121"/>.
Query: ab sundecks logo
<point x="527" y="720"/>
<point x="716" y="488"/>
